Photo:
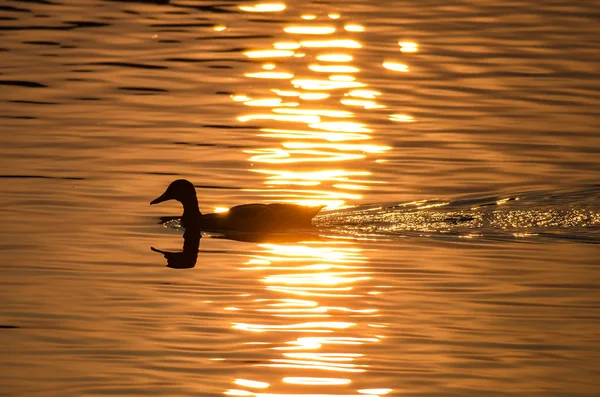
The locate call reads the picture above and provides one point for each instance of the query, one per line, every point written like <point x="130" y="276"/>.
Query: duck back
<point x="261" y="217"/>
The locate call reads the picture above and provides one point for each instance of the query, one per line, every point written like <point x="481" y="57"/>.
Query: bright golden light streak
<point x="313" y="326"/>
<point x="336" y="340"/>
<point x="354" y="28"/>
<point x="279" y="156"/>
<point x="329" y="360"/>
<point x="329" y="204"/>
<point x="268" y="66"/>
<point x="313" y="279"/>
<point x="339" y="254"/>
<point x="319" y="310"/>
<point x="336" y="357"/>
<point x="408" y="46"/>
<point x="219" y="28"/>
<point x="395" y="66"/>
<point x="286" y="182"/>
<point x="333" y="68"/>
<point x="268" y="53"/>
<point x="334" y="58"/>
<point x="237" y="392"/>
<point x="339" y="136"/>
<point x="342" y="126"/>
<point x="285" y="93"/>
<point x="240" y="98"/>
<point x="348" y="186"/>
<point x="332" y="199"/>
<point x="289" y="259"/>
<point x="310" y="96"/>
<point x="281" y="117"/>
<point x="269" y="75"/>
<point x="367" y="94"/>
<point x="404" y="118"/>
<point x="299" y="183"/>
<point x="308" y="17"/>
<point x="309" y="29"/>
<point x="286" y="302"/>
<point x="341" y="77"/>
<point x="286" y="254"/>
<point x="263" y="7"/>
<point x="339" y="146"/>
<point x="316" y="381"/>
<point x="302" y="291"/>
<point x="302" y="315"/>
<point x="289" y="104"/>
<point x="334" y="15"/>
<point x="258" y="261"/>
<point x="345" y="309"/>
<point x="266" y="102"/>
<point x="251" y="383"/>
<point x="250" y="328"/>
<point x="317" y="112"/>
<point x="339" y="43"/>
<point x="433" y="205"/>
<point x="318" y="85"/>
<point x="374" y="391"/>
<point x="313" y="395"/>
<point x="324" y="175"/>
<point x="361" y="103"/>
<point x="506" y="200"/>
<point x="313" y="267"/>
<point x="316" y="342"/>
<point x="282" y="363"/>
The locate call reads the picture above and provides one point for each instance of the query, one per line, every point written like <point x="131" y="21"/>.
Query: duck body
<point x="257" y="218"/>
<point x="260" y="217"/>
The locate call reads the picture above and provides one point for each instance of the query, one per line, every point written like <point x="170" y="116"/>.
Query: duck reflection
<point x="187" y="258"/>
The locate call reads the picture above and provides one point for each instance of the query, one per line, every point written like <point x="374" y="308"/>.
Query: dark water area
<point x="455" y="145"/>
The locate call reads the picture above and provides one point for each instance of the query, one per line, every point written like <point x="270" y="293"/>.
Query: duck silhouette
<point x="252" y="218"/>
<point x="187" y="258"/>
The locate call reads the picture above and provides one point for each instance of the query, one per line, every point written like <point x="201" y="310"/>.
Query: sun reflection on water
<point x="315" y="299"/>
<point x="309" y="29"/>
<point x="263" y="7"/>
<point x="315" y="312"/>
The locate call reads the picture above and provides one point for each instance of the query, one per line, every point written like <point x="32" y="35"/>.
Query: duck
<point x="257" y="218"/>
<point x="185" y="259"/>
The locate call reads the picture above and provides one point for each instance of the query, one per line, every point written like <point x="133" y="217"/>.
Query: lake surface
<point x="455" y="144"/>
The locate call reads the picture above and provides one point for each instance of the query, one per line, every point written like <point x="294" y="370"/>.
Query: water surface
<point x="454" y="143"/>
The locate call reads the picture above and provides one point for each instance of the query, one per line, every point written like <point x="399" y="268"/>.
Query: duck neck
<point x="191" y="212"/>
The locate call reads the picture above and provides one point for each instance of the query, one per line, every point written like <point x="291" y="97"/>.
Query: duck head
<point x="181" y="190"/>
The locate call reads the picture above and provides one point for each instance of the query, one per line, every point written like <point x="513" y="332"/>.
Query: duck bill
<point x="160" y="199"/>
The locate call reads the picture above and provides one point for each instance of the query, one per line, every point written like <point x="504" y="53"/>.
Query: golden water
<point x="454" y="143"/>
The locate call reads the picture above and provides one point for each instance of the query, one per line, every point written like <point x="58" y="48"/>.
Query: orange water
<point x="455" y="144"/>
